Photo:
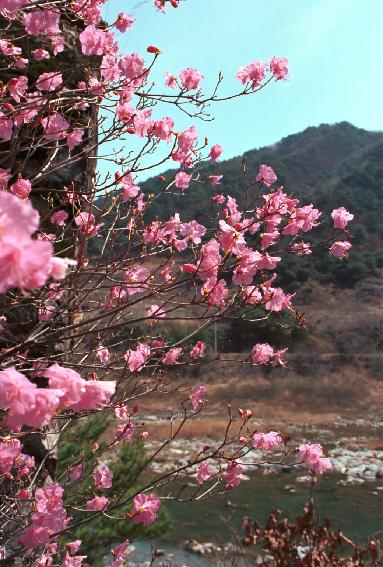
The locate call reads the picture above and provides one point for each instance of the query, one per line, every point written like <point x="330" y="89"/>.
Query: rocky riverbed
<point x="356" y="459"/>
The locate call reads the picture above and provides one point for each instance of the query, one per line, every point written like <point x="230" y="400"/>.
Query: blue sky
<point x="334" y="48"/>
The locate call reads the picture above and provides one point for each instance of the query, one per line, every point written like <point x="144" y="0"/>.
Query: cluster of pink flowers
<point x="198" y="397"/>
<point x="255" y="72"/>
<point x="227" y="265"/>
<point x="266" y="441"/>
<point x="12" y="459"/>
<point x="29" y="405"/>
<point x="198" y="350"/>
<point x="263" y="353"/>
<point x="204" y="472"/>
<point x="145" y="508"/>
<point x="25" y="263"/>
<point x="233" y="474"/>
<point x="50" y="516"/>
<point x="312" y="455"/>
<point x="102" y="476"/>
<point x="136" y="359"/>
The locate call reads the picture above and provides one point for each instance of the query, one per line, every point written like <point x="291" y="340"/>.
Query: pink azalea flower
<point x="24" y="262"/>
<point x="102" y="354"/>
<point x="266" y="441"/>
<point x="182" y="180"/>
<point x="252" y="295"/>
<point x="40" y="54"/>
<point x="312" y="455"/>
<point x="55" y="127"/>
<point x="102" y="476"/>
<point x="198" y="397"/>
<point x="58" y="267"/>
<point x="171" y="357"/>
<point x="21" y="188"/>
<point x="266" y="175"/>
<point x="136" y="359"/>
<point x="215" y="152"/>
<point x="75" y="472"/>
<point x="59" y="217"/>
<point x="254" y="73"/>
<point x="277" y="300"/>
<point x="210" y="260"/>
<point x="136" y="279"/>
<point x="92" y="41"/>
<point x="5" y="176"/>
<point x="97" y="503"/>
<point x="74" y="138"/>
<point x="23" y="494"/>
<point x="49" y="81"/>
<point x="17" y="394"/>
<point x="125" y="431"/>
<point x="124" y="21"/>
<point x="50" y="516"/>
<point x="341" y="217"/>
<point x="198" y="350"/>
<point x="215" y="179"/>
<point x="320" y="466"/>
<point x="204" y="472"/>
<point x="6" y="127"/>
<point x="170" y="81"/>
<point x="301" y="248"/>
<point x="279" y="67"/>
<point x="119" y="554"/>
<point x="233" y="474"/>
<point x="163" y="128"/>
<point x="86" y="223"/>
<point x="186" y="141"/>
<point x="340" y="248"/>
<point x="145" y="508"/>
<point x="74" y="546"/>
<point x="215" y="291"/>
<point x="132" y="67"/>
<point x="219" y="199"/>
<point x="129" y="189"/>
<point x="193" y="231"/>
<point x="96" y="394"/>
<point x="261" y="353"/>
<point x="17" y="86"/>
<point x="310" y="452"/>
<point x="190" y="79"/>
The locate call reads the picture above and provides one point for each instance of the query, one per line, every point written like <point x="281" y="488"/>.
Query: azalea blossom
<point x="145" y="508"/>
<point x="266" y="441"/>
<point x="198" y="397"/>
<point x="182" y="180"/>
<point x="215" y="152"/>
<point x="124" y="21"/>
<point x="340" y="248"/>
<point x="21" y="188"/>
<point x="171" y="357"/>
<point x="198" y="350"/>
<point x="102" y="476"/>
<point x="341" y="217"/>
<point x="279" y="67"/>
<point x="204" y="472"/>
<point x="97" y="503"/>
<point x="190" y="79"/>
<point x="266" y="175"/>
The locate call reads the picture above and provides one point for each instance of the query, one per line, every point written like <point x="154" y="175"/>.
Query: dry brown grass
<point x="197" y="428"/>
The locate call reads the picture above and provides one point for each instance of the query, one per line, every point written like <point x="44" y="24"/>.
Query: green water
<point x="354" y="508"/>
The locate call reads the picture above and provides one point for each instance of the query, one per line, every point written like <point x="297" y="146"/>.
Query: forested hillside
<point x="331" y="166"/>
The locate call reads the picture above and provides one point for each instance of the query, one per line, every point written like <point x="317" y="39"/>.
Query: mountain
<point x="330" y="166"/>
